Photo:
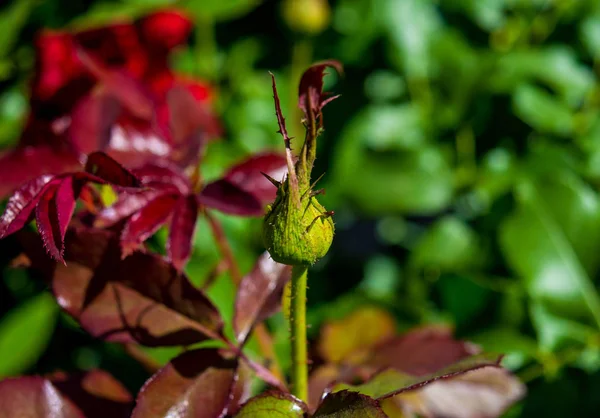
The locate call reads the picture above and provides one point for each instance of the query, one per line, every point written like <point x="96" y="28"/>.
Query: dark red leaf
<point x="25" y="164"/>
<point x="163" y="177"/>
<point x="196" y="384"/>
<point x="188" y="119"/>
<point x="259" y="294"/>
<point x="65" y="197"/>
<point x="55" y="210"/>
<point x="126" y="205"/>
<point x="242" y="389"/>
<point x="100" y="122"/>
<point x="345" y="404"/>
<point x="130" y="93"/>
<point x="181" y="234"/>
<point x="96" y="393"/>
<point x="202" y="94"/>
<point x="34" y="397"/>
<point x="421" y="351"/>
<point x="145" y="222"/>
<point x="139" y="299"/>
<point x="247" y="175"/>
<point x="321" y="379"/>
<point x="229" y="198"/>
<point x="103" y="166"/>
<point x="92" y="120"/>
<point x="310" y="91"/>
<point x="20" y="206"/>
<point x="46" y="215"/>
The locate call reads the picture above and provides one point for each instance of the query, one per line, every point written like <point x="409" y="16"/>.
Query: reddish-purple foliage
<point x="196" y="384"/>
<point x="108" y="93"/>
<point x="259" y="294"/>
<point x="93" y="394"/>
<point x="110" y="89"/>
<point x="311" y="98"/>
<point x="140" y="299"/>
<point x="171" y="198"/>
<point x="53" y="199"/>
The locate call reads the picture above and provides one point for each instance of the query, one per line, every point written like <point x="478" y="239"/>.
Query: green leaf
<point x="392" y="382"/>
<point x="517" y="348"/>
<point x="347" y="404"/>
<point x="496" y="175"/>
<point x="25" y="332"/>
<point x="576" y="207"/>
<point x="391" y="181"/>
<point x="488" y="14"/>
<point x="449" y="245"/>
<point x="537" y="248"/>
<point x="13" y="17"/>
<point x="411" y="27"/>
<point x="106" y="13"/>
<point x="590" y="34"/>
<point x="273" y="405"/>
<point x="220" y="9"/>
<point x="555" y="332"/>
<point x="555" y="66"/>
<point x="542" y="111"/>
<point x="464" y="298"/>
<point x="384" y="123"/>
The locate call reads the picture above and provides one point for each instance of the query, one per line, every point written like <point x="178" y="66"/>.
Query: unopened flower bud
<point x="297" y="231"/>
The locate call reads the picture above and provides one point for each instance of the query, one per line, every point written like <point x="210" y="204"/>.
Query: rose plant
<point x="109" y="113"/>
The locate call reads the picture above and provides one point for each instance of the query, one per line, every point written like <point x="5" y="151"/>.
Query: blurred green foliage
<point x="463" y="163"/>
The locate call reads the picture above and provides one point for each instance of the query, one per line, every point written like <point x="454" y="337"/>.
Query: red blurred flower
<point x="110" y="88"/>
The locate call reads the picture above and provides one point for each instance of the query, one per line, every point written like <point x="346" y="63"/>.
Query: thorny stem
<point x="298" y="332"/>
<point x="265" y="340"/>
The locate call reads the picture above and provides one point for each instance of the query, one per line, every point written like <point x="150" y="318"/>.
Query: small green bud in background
<point x="297" y="229"/>
<point x="310" y="17"/>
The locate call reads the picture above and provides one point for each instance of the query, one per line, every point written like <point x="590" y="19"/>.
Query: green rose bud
<point x="297" y="230"/>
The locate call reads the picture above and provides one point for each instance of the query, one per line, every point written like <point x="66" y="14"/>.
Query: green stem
<point x="206" y="48"/>
<point x="298" y="329"/>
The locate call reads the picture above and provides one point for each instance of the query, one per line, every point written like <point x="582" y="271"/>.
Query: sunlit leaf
<point x="346" y="339"/>
<point x="273" y="404"/>
<point x="392" y="382"/>
<point x="486" y="392"/>
<point x="25" y="332"/>
<point x="347" y="404"/>
<point x="34" y="397"/>
<point x="141" y="298"/>
<point x="93" y="394"/>
<point x="196" y="384"/>
<point x="538" y="250"/>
